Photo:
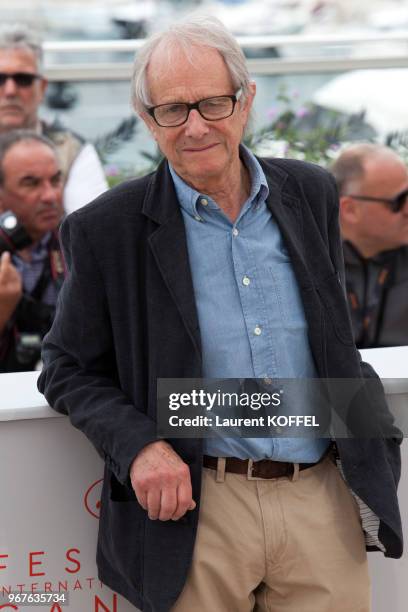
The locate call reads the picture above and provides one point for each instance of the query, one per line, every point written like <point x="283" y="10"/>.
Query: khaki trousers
<point x="278" y="546"/>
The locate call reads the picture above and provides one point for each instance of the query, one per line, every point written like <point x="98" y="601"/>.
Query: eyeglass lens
<point x="399" y="201"/>
<point x="21" y="79"/>
<point x="210" y="109"/>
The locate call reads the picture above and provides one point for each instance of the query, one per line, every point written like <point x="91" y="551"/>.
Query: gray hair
<point x="9" y="139"/>
<point x="18" y="36"/>
<point x="350" y="164"/>
<point x="198" y="30"/>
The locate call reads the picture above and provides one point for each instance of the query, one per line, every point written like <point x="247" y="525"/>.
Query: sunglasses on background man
<point x="395" y="204"/>
<point x="21" y="79"/>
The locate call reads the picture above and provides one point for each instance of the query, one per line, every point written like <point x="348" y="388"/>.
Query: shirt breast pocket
<point x="286" y="289"/>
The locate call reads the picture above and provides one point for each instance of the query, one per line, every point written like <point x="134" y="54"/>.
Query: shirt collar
<point x="189" y="197"/>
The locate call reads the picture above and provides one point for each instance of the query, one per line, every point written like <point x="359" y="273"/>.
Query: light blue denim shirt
<point x="249" y="308"/>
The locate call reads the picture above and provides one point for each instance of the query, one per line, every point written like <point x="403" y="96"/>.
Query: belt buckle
<point x="293" y="477"/>
<point x="249" y="472"/>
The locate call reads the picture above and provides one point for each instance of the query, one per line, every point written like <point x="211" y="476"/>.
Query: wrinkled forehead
<point x="18" y="58"/>
<point x="170" y="57"/>
<point x="25" y="156"/>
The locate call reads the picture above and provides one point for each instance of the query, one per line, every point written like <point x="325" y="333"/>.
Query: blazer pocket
<point x="120" y="492"/>
<point x="126" y="536"/>
<point x="334" y="301"/>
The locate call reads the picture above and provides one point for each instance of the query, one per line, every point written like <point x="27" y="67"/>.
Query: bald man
<point x="373" y="187"/>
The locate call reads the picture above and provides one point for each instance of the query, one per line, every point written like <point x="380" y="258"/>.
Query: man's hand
<point x="161" y="481"/>
<point x="11" y="288"/>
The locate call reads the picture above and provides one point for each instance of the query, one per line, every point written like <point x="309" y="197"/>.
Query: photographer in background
<point x="31" y="266"/>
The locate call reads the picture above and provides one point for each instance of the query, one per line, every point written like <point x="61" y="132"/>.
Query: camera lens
<point x="13" y="235"/>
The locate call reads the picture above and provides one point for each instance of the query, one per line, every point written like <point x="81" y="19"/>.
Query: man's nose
<point x="196" y="126"/>
<point x="10" y="88"/>
<point x="50" y="193"/>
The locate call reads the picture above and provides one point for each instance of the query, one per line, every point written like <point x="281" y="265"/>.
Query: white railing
<point x="297" y="40"/>
<point x="340" y="47"/>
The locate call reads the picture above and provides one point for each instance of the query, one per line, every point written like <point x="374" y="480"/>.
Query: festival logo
<point x="92" y="499"/>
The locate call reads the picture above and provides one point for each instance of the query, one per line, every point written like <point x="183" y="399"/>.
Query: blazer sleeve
<point x="79" y="375"/>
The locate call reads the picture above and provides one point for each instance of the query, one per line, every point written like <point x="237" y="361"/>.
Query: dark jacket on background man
<point x="128" y="317"/>
<point x="377" y="291"/>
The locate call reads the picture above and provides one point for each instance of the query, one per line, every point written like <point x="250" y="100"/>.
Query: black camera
<point x="13" y="235"/>
<point x="33" y="321"/>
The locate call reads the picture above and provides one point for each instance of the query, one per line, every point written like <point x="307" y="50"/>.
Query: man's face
<point x="32" y="187"/>
<point x="19" y="105"/>
<point x="385" y="177"/>
<point x="199" y="150"/>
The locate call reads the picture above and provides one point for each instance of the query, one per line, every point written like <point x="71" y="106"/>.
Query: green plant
<point x="307" y="132"/>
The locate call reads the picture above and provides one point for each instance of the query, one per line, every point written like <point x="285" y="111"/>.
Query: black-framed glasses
<point x="21" y="79"/>
<point x="394" y="204"/>
<point x="210" y="109"/>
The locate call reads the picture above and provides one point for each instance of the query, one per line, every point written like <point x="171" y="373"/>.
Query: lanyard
<point x="367" y="313"/>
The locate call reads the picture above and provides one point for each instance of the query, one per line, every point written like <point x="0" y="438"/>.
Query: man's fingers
<point x="7" y="269"/>
<point x="162" y="482"/>
<point x="168" y="503"/>
<point x="4" y="262"/>
<point x="142" y="499"/>
<point x="153" y="503"/>
<point x="5" y="257"/>
<point x="184" y="500"/>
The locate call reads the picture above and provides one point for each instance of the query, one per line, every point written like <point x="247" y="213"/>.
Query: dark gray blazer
<point x="127" y="316"/>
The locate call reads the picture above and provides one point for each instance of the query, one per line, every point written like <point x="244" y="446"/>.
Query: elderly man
<point x="32" y="274"/>
<point x="218" y="265"/>
<point x="22" y="88"/>
<point x="373" y="187"/>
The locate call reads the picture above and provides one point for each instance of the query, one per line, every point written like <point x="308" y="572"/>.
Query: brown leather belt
<point x="265" y="468"/>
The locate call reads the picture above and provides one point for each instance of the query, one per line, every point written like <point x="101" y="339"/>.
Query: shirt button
<point x="235" y="232"/>
<point x="204" y="202"/>
<point x="246" y="281"/>
<point x="197" y="218"/>
<point x="257" y="331"/>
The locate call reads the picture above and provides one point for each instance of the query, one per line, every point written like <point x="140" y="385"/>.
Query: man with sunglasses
<point x="22" y="89"/>
<point x="373" y="187"/>
<point x="217" y="265"/>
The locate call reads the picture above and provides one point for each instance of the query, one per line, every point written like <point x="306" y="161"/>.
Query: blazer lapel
<point x="169" y="247"/>
<point x="287" y="212"/>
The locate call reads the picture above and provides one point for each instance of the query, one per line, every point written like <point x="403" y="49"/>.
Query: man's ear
<point x="247" y="105"/>
<point x="349" y="210"/>
<point x="252" y="88"/>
